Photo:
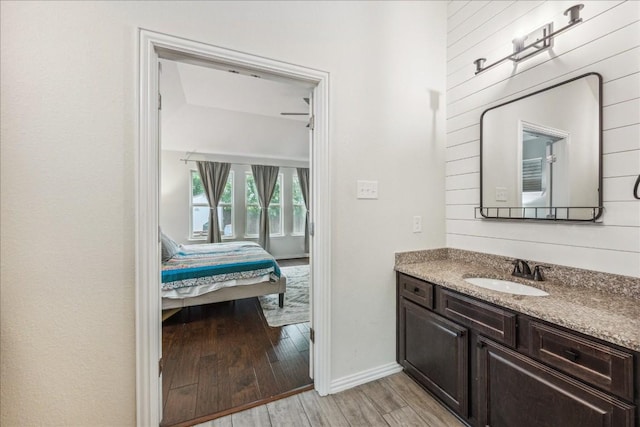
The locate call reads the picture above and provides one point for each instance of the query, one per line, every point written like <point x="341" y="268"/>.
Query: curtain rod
<point x="195" y="161"/>
<point x="241" y="164"/>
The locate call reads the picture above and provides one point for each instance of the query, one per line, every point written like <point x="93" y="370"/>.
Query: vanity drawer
<point x="416" y="290"/>
<point x="490" y="321"/>
<point x="598" y="364"/>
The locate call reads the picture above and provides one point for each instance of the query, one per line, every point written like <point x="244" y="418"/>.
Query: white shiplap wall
<point x="606" y="42"/>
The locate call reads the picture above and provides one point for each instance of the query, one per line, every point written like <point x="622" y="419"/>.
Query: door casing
<point x="153" y="45"/>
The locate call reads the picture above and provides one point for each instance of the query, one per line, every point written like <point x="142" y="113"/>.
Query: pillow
<point x="169" y="247"/>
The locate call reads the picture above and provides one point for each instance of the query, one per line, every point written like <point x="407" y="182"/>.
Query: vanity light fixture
<point x="543" y="40"/>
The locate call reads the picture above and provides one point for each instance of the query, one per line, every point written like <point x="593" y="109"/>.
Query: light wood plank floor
<point x="392" y="401"/>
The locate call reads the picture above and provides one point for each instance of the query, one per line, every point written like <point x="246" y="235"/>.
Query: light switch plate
<point x="417" y="224"/>
<point x="367" y="189"/>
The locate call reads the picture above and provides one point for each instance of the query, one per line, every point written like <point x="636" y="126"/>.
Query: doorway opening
<point x="227" y="344"/>
<point x="155" y="47"/>
<point x="542" y="170"/>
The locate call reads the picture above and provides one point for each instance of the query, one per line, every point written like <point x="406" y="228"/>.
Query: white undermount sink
<point x="506" y="286"/>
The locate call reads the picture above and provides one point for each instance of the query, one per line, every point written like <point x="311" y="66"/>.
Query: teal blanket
<point x="217" y="262"/>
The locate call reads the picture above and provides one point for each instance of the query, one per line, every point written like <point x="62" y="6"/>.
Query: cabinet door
<point x="434" y="351"/>
<point x="514" y="390"/>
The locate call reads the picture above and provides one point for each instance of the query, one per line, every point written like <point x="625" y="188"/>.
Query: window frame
<point x="247" y="205"/>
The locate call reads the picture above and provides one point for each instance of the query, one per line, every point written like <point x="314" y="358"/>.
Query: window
<point x="200" y="208"/>
<point x="253" y="208"/>
<point x="299" y="208"/>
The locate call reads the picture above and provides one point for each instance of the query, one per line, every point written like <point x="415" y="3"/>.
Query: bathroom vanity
<point x="496" y="359"/>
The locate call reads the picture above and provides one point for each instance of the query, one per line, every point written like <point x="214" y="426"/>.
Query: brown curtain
<point x="265" y="178"/>
<point x="214" y="178"/>
<point x="303" y="178"/>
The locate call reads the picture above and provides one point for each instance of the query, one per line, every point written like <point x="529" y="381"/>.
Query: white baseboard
<point x="363" y="377"/>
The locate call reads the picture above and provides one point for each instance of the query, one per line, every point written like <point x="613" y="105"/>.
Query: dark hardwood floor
<point x="225" y="355"/>
<point x="292" y="262"/>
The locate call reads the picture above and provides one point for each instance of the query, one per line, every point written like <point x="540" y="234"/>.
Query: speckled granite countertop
<point x="612" y="315"/>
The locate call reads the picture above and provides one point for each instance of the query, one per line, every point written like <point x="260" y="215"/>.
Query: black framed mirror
<point x="541" y="154"/>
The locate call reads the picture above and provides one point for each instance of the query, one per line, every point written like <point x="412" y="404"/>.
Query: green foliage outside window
<point x="299" y="208"/>
<point x="252" y="192"/>
<point x="196" y="184"/>
<point x="297" y="192"/>
<point x="227" y="195"/>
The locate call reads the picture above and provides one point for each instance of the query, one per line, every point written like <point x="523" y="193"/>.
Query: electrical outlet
<point x="501" y="194"/>
<point x="417" y="224"/>
<point x="367" y="189"/>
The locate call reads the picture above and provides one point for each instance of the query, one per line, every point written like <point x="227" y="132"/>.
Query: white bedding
<point x="194" y="291"/>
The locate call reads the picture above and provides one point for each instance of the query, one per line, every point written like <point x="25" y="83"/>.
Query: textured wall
<point x="607" y="42"/>
<point x="68" y="113"/>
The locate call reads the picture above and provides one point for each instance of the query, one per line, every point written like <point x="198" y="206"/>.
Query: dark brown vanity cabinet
<point x="514" y="390"/>
<point x="495" y="367"/>
<point x="594" y="363"/>
<point x="434" y="351"/>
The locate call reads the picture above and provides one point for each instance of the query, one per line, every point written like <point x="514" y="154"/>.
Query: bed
<point x="216" y="272"/>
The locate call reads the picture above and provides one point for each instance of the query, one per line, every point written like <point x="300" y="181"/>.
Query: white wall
<point x="174" y="203"/>
<point x="68" y="113"/>
<point x="607" y="43"/>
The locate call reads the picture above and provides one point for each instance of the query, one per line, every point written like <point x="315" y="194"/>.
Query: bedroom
<point x="219" y="122"/>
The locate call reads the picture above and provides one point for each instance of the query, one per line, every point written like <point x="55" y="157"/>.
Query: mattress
<point x="199" y="269"/>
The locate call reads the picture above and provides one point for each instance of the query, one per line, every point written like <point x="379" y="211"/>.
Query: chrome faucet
<point x="521" y="269"/>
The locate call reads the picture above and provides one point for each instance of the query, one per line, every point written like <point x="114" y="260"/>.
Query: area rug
<point x="296" y="299"/>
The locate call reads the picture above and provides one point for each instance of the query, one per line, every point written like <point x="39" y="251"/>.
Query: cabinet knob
<point x="416" y="289"/>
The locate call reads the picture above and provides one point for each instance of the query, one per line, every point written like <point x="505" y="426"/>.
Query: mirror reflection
<point x="541" y="154"/>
